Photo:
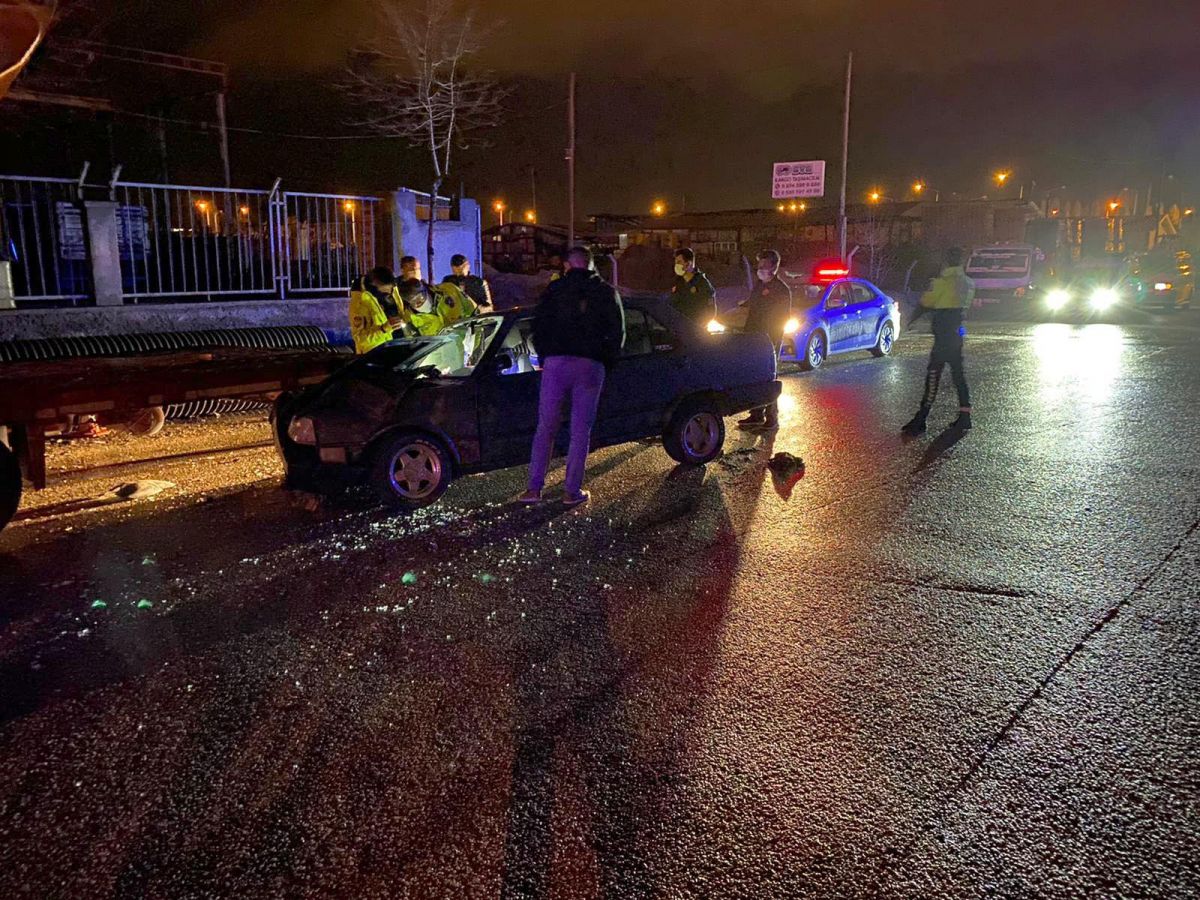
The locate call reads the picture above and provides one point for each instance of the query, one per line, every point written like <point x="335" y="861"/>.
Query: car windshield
<point x="999" y="262"/>
<point x="455" y="351"/>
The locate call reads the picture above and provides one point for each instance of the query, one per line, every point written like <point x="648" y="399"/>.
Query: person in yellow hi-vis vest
<point x="428" y="308"/>
<point x="376" y="313"/>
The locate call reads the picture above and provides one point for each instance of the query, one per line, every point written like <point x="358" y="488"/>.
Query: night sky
<point x="697" y="99"/>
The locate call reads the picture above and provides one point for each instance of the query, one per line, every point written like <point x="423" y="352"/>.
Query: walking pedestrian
<point x="770" y="305"/>
<point x="948" y="296"/>
<point x="473" y="286"/>
<point x="692" y="295"/>
<point x="578" y="331"/>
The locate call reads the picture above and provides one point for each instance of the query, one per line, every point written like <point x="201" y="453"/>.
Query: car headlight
<point x="792" y="326"/>
<point x="1103" y="298"/>
<point x="1162" y="285"/>
<point x="1057" y="299"/>
<point x="715" y="327"/>
<point x="301" y="430"/>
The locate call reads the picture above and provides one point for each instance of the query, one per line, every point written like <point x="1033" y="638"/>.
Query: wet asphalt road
<point x="940" y="669"/>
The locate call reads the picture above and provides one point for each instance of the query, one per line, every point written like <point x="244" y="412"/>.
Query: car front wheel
<point x="409" y="471"/>
<point x="887" y="336"/>
<point x="695" y="434"/>
<point x="815" y="351"/>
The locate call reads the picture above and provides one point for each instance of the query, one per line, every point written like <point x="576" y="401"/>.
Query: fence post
<point x="104" y="254"/>
<point x="8" y="299"/>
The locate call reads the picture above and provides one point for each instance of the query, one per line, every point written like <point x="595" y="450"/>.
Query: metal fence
<point x="186" y="241"/>
<point x="183" y="241"/>
<point x="42" y="237"/>
<point x="328" y="240"/>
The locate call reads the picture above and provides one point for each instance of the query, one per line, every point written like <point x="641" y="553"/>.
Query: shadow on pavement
<point x="940" y="446"/>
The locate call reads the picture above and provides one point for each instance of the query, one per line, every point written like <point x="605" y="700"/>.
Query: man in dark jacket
<point x="692" y="294"/>
<point x="770" y="305"/>
<point x="578" y="332"/>
<point x="472" y="285"/>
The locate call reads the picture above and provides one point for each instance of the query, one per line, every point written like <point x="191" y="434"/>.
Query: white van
<point x="1002" y="270"/>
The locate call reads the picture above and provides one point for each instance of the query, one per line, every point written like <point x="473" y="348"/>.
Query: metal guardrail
<point x="42" y="236"/>
<point x="185" y="241"/>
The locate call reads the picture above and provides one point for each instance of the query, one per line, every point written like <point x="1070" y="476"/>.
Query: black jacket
<point x="770" y="305"/>
<point x="580" y="314"/>
<point x="694" y="299"/>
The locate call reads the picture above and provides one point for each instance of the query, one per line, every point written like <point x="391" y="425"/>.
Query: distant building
<point x="523" y="248"/>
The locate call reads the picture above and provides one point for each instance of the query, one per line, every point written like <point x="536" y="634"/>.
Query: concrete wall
<point x="328" y="313"/>
<point x="449" y="237"/>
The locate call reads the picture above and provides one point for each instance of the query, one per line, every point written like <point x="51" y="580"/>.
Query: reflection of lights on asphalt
<point x="787" y="403"/>
<point x="1078" y="363"/>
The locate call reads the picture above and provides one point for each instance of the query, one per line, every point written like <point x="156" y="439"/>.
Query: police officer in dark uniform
<point x="769" y="306"/>
<point x="473" y="286"/>
<point x="692" y="294"/>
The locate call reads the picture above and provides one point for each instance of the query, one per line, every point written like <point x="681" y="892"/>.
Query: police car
<point x="833" y="313"/>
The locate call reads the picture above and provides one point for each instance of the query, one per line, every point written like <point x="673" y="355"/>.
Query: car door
<point x="865" y="309"/>
<point x="508" y="397"/>
<point x="642" y="384"/>
<point x="839" y="316"/>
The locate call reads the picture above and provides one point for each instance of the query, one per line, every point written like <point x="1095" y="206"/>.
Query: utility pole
<point x="571" y="164"/>
<point x="533" y="186"/>
<point x="845" y="158"/>
<point x="224" y="132"/>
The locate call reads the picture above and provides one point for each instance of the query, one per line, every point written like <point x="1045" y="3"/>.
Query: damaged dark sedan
<point x="412" y="415"/>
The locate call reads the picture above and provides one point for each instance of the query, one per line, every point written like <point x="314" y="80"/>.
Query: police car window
<point x="837" y="295"/>
<point x="862" y="293"/>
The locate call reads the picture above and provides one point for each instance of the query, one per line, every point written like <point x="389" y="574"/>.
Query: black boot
<point x="916" y="425"/>
<point x="963" y="422"/>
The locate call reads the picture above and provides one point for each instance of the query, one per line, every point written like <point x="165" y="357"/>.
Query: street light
<point x="659" y="208"/>
<point x="530" y="216"/>
<point x="348" y="206"/>
<point x="498" y="206"/>
<point x="1114" y="205"/>
<point x="918" y="186"/>
<point x="1002" y="177"/>
<point x="875" y="195"/>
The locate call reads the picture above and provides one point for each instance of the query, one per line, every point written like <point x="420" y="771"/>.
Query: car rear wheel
<point x="409" y="471"/>
<point x="695" y="434"/>
<point x="10" y="484"/>
<point x="887" y="336"/>
<point x="815" y="351"/>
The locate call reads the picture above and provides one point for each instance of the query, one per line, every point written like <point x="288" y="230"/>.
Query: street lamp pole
<point x="845" y="158"/>
<point x="571" y="164"/>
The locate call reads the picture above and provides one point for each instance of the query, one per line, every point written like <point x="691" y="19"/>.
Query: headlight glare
<point x="1057" y="298"/>
<point x="1103" y="298"/>
<point x="715" y="327"/>
<point x="792" y="326"/>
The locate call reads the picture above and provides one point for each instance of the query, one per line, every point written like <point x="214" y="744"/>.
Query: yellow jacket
<point x="450" y="305"/>
<point x="950" y="290"/>
<point x="368" y="320"/>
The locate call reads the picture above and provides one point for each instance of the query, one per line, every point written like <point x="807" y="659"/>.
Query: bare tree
<point x="417" y="82"/>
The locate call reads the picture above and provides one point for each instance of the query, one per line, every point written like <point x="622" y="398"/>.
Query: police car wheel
<point x="887" y="336"/>
<point x="10" y="484"/>
<point x="815" y="351"/>
<point x="695" y="434"/>
<point x="409" y="471"/>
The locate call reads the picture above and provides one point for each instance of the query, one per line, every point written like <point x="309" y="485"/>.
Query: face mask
<point x="765" y="275"/>
<point x="680" y="269"/>
<point x="426" y="304"/>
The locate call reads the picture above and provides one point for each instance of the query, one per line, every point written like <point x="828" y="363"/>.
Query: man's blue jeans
<point x="579" y="380"/>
